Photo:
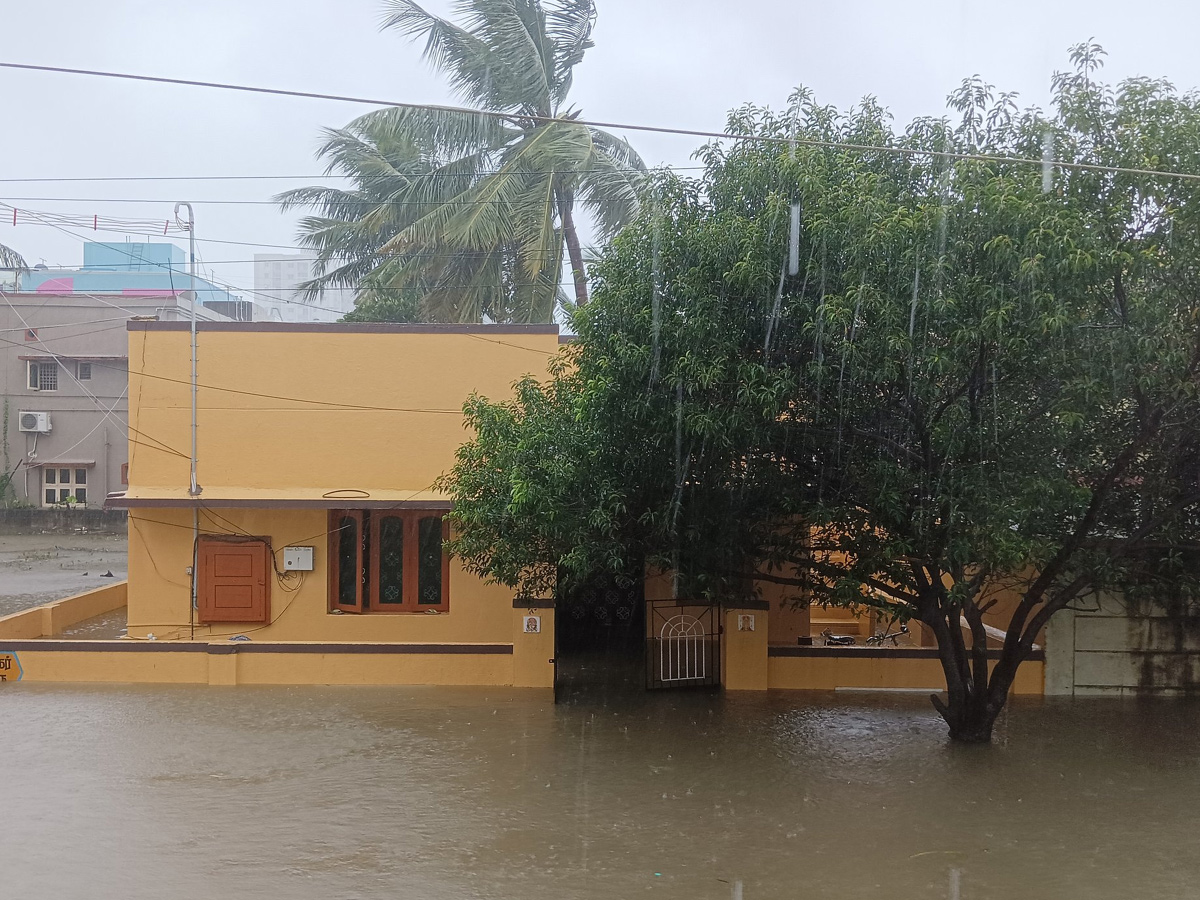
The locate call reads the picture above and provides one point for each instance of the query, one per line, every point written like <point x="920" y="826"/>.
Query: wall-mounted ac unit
<point x="38" y="422"/>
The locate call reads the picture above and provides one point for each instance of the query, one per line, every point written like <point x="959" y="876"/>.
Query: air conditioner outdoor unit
<point x="35" y="421"/>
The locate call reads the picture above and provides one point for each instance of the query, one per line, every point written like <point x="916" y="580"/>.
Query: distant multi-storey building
<point x="135" y="269"/>
<point x="277" y="278"/>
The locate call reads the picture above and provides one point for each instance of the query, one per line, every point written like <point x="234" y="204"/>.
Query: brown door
<point x="234" y="584"/>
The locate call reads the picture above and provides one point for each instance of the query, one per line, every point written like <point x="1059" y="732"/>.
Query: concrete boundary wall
<point x="872" y="669"/>
<point x="1113" y="647"/>
<point x="53" y="618"/>
<point x="29" y="520"/>
<point x="245" y="662"/>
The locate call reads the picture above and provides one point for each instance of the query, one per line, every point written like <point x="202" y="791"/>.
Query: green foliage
<point x="400" y="307"/>
<point x="471" y="212"/>
<point x="980" y="377"/>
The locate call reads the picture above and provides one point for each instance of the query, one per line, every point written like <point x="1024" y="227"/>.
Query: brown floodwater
<point x="195" y="793"/>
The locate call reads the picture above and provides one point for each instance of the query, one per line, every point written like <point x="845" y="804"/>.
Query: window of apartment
<point x="43" y="375"/>
<point x="383" y="561"/>
<point x="64" y="485"/>
<point x="84" y="371"/>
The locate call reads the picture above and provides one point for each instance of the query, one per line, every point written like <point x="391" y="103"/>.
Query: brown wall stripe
<point x="251" y="647"/>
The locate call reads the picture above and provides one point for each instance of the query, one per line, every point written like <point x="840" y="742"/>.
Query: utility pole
<point x="194" y="487"/>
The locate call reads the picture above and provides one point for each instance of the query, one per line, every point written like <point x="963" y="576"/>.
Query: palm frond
<point x="437" y="132"/>
<point x="11" y="259"/>
<point x="569" y="25"/>
<point x="515" y="30"/>
<point x="467" y="61"/>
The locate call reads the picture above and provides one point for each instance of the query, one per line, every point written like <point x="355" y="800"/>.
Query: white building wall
<point x="276" y="277"/>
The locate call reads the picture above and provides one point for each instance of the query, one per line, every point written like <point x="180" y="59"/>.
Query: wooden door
<point x="235" y="584"/>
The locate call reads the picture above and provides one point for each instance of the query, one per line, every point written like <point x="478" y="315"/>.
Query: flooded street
<point x="146" y="792"/>
<point x="42" y="568"/>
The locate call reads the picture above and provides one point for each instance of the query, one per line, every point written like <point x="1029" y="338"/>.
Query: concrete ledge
<point x="861" y="652"/>
<point x="228" y="648"/>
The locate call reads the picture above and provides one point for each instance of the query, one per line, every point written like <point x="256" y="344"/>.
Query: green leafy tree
<point x="974" y="404"/>
<point x="472" y="211"/>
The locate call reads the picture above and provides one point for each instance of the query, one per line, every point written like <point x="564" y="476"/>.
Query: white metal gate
<point x="682" y="648"/>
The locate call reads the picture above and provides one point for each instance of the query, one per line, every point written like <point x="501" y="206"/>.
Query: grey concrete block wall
<point x="1112" y="647"/>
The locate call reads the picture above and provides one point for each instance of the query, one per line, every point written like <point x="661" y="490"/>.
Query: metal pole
<point x="194" y="487"/>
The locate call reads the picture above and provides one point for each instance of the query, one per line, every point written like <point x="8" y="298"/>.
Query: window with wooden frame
<point x="388" y="561"/>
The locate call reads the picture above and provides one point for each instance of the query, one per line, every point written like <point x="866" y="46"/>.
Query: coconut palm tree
<point x="10" y="259"/>
<point x="473" y="210"/>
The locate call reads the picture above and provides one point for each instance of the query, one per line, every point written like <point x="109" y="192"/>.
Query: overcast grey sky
<point x="680" y="63"/>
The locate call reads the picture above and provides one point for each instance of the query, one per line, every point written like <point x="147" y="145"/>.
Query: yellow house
<point x="310" y="549"/>
<point x="316" y="450"/>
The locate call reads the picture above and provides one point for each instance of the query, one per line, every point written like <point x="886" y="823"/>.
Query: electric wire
<point x="170" y="269"/>
<point x="521" y="119"/>
<point x="266" y="396"/>
<point x="270" y="299"/>
<point x="63" y="453"/>
<point x="229" y="286"/>
<point x="321" y="176"/>
<point x="58" y="358"/>
<point x="322" y="403"/>
<point x="72" y="325"/>
<point x="238" y="531"/>
<point x="432" y="204"/>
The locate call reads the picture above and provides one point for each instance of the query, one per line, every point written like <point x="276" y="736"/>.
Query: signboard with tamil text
<point x="10" y="666"/>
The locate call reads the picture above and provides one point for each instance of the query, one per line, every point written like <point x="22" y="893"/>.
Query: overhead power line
<point x="324" y="176"/>
<point x="518" y="119"/>
<point x="163" y="200"/>
<point x="269" y="298"/>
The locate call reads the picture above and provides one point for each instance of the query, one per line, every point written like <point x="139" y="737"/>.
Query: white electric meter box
<point x="298" y="559"/>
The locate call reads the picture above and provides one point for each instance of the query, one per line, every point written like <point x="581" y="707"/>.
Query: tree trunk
<point x="970" y="717"/>
<point x="574" y="252"/>
<point x="972" y="704"/>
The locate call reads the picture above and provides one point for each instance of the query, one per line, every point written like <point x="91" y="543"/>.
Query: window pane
<point x="63" y="494"/>
<point x="48" y="376"/>
<point x="391" y="560"/>
<point x="51" y="475"/>
<point x="347" y="561"/>
<point x="81" y="495"/>
<point x="85" y="371"/>
<point x="33" y="376"/>
<point x="429" y="570"/>
<point x="81" y="476"/>
<point x="64" y="476"/>
<point x="50" y="497"/>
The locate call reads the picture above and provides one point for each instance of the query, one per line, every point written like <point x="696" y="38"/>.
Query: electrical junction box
<point x="298" y="559"/>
